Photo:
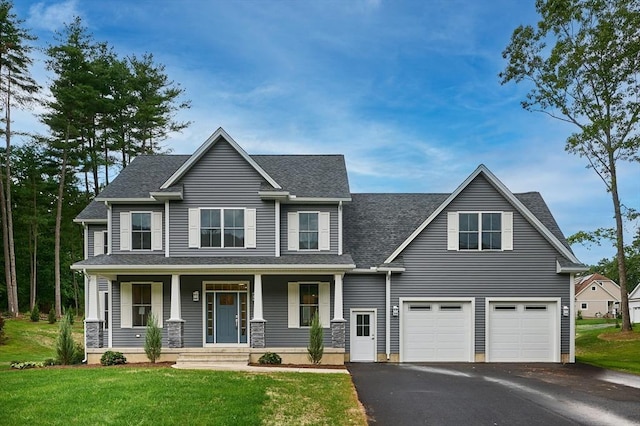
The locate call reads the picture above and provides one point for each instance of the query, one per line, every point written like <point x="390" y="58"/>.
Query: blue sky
<point x="408" y="91"/>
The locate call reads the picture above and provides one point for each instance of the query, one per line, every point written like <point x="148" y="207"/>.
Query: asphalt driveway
<point x="496" y="394"/>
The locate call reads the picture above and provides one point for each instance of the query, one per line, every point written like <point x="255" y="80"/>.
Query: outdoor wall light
<point x="395" y="311"/>
<point x="565" y="311"/>
<point x="196" y="296"/>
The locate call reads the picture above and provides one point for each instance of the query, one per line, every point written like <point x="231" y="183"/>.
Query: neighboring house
<point x="597" y="296"/>
<point x="234" y="253"/>
<point x="634" y="305"/>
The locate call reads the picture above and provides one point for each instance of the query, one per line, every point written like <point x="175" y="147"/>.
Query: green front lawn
<point x="162" y="395"/>
<point x="32" y="341"/>
<point x="609" y="348"/>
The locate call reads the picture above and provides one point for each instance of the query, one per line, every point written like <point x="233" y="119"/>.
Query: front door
<point x="363" y="336"/>
<point x="226" y="318"/>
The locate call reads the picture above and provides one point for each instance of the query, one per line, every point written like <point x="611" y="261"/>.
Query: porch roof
<point x="126" y="263"/>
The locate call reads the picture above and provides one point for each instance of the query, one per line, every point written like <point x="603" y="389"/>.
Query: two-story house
<point x="234" y="253"/>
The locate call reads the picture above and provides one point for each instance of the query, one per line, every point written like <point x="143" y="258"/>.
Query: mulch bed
<point x="311" y="366"/>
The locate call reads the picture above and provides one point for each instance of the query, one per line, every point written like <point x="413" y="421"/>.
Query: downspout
<point x="277" y="227"/>
<point x="340" y="228"/>
<point x="166" y="228"/>
<point x="387" y="334"/>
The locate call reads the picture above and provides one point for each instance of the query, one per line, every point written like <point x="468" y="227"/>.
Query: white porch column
<point x="93" y="299"/>
<point x="257" y="298"/>
<point x="176" y="310"/>
<point x="337" y="298"/>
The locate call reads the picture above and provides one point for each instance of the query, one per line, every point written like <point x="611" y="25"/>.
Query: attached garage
<point x="523" y="331"/>
<point x="436" y="330"/>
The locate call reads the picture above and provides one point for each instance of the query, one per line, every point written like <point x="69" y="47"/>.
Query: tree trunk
<point x="622" y="267"/>
<point x="63" y="170"/>
<point x="13" y="309"/>
<point x="12" y="249"/>
<point x="33" y="258"/>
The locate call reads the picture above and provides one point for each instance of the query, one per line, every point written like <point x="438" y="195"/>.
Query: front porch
<point x="216" y="318"/>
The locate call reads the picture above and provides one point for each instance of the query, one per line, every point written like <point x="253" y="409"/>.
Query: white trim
<point x="93" y="307"/>
<point x="89" y="221"/>
<point x="315" y="200"/>
<point x="453" y="226"/>
<point x="258" y="314"/>
<point x="277" y="227"/>
<point x="109" y="229"/>
<point x="570" y="269"/>
<point x="373" y="327"/>
<point x="203" y="303"/>
<point x="176" y="307"/>
<point x="508" y="195"/>
<point x="85" y="238"/>
<point x="340" y="233"/>
<point x="110" y="292"/>
<point x="166" y="229"/>
<point x="125" y="200"/>
<point x="472" y="331"/>
<point x="149" y="269"/>
<point x="557" y="329"/>
<point x="572" y="319"/>
<point x="160" y="195"/>
<point x="387" y="315"/>
<point x="212" y="140"/>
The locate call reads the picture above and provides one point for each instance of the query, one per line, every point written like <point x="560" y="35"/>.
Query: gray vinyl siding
<point x="527" y="271"/>
<point x="222" y="178"/>
<point x="91" y="229"/>
<point x="365" y="291"/>
<point x="116" y="209"/>
<point x="284" y="226"/>
<point x="275" y="309"/>
<point x="126" y="337"/>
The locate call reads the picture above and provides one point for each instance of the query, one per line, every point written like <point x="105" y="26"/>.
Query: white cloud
<point x="52" y="17"/>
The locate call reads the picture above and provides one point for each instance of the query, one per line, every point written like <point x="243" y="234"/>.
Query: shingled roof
<point x="376" y="224"/>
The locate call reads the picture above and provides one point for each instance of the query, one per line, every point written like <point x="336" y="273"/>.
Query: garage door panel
<point x="522" y="332"/>
<point x="441" y="332"/>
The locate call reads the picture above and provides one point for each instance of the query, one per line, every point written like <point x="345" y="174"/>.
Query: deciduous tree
<point x="582" y="65"/>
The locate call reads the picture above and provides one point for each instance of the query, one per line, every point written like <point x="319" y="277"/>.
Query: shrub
<point x="49" y="362"/>
<point x="71" y="313"/>
<point x="316" y="337"/>
<point x="270" y="358"/>
<point x="113" y="358"/>
<point x="579" y="315"/>
<point x="78" y="354"/>
<point x="52" y="316"/>
<point x="153" y="339"/>
<point x="25" y="365"/>
<point x="617" y="324"/>
<point x="65" y="346"/>
<point x="35" y="314"/>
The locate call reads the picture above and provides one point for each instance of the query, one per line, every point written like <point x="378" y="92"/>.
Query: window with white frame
<point x="308" y="231"/>
<point x="222" y="228"/>
<point x="307" y="298"/>
<point x="138" y="300"/>
<point x="478" y="231"/>
<point x="141" y="231"/>
<point x="140" y="304"/>
<point x="105" y="242"/>
<point x="583" y="305"/>
<point x="104" y="308"/>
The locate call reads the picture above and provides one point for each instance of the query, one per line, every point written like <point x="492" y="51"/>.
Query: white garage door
<point x="436" y="331"/>
<point x="523" y="332"/>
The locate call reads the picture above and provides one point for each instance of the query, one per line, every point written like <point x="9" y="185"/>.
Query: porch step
<point x="212" y="357"/>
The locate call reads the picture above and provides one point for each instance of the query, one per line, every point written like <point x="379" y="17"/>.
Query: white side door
<point x="363" y="335"/>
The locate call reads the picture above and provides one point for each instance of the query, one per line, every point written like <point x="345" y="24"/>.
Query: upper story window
<point x="308" y="231"/>
<point x="480" y="231"/>
<point x="141" y="231"/>
<point x="222" y="228"/>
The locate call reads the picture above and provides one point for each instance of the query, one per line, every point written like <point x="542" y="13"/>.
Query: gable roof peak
<point x="219" y="134"/>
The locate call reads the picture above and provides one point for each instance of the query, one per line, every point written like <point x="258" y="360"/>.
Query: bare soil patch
<point x="621" y="336"/>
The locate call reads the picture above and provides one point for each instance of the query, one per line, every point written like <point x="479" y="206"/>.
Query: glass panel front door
<point x="226" y="317"/>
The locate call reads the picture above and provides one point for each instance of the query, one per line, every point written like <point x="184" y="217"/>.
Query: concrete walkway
<point x="256" y="369"/>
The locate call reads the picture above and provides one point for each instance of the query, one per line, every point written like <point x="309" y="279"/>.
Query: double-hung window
<point x="140" y="231"/>
<point x="480" y="231"/>
<point x="140" y="303"/>
<point x="222" y="228"/>
<point x="309" y="303"/>
<point x="308" y="231"/>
